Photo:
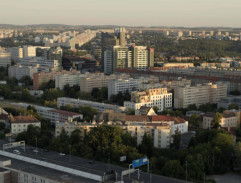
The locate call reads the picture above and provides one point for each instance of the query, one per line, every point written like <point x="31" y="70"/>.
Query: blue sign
<point x="140" y="162"/>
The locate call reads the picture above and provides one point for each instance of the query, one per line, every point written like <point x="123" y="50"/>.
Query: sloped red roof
<point x="23" y="119"/>
<point x="168" y="118"/>
<point x="138" y="118"/>
<point x="4" y="116"/>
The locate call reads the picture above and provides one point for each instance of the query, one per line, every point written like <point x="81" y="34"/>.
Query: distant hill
<point x="63" y="26"/>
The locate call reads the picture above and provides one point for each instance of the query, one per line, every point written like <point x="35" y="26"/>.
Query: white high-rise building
<point x="5" y="59"/>
<point x="179" y="34"/>
<point x="29" y="51"/>
<point x="121" y="85"/>
<point x="166" y="33"/>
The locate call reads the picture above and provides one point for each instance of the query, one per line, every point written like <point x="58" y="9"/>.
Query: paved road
<point x="96" y="167"/>
<point x="226" y="178"/>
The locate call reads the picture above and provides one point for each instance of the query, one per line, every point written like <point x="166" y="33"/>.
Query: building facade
<point x="228" y="120"/>
<point x="64" y="101"/>
<point x="20" y="123"/>
<point x="18" y="71"/>
<point x="52" y="114"/>
<point x="158" y="97"/>
<point x="122" y="85"/>
<point x="5" y="59"/>
<point x="199" y="94"/>
<point x="88" y="81"/>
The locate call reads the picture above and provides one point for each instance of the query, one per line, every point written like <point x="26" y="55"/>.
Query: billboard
<point x="122" y="158"/>
<point x="140" y="162"/>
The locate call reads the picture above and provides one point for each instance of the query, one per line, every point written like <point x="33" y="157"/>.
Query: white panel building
<point x="121" y="85"/>
<point x="18" y="71"/>
<point x="63" y="79"/>
<point x="158" y="97"/>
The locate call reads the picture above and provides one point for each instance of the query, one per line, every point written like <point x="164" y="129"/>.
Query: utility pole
<point x="109" y="165"/>
<point x="36" y="146"/>
<point x="186" y="170"/>
<point x="150" y="173"/>
<point x="70" y="153"/>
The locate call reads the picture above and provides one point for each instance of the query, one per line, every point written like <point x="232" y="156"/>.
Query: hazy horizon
<point x="169" y="13"/>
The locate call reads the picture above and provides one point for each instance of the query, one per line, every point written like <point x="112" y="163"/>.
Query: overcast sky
<point x="189" y="13"/>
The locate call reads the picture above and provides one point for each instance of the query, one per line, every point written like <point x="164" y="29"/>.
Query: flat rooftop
<point x="44" y="172"/>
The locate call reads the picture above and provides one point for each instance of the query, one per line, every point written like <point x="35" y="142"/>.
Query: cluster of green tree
<point x="100" y="95"/>
<point x="179" y="113"/>
<point x="3" y="73"/>
<point x="120" y="98"/>
<point x="211" y="151"/>
<point x="16" y="42"/>
<point x="48" y="85"/>
<point x="74" y="53"/>
<point x="235" y="92"/>
<point x="203" y="48"/>
<point x="15" y="92"/>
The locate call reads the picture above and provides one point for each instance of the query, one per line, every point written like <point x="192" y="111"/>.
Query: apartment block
<point x="20" y="123"/>
<point x="163" y="84"/>
<point x="229" y="119"/>
<point x="64" y="101"/>
<point x="88" y="81"/>
<point x="199" y="94"/>
<point x="5" y="59"/>
<point x="142" y="58"/>
<point x="158" y="97"/>
<point x="70" y="127"/>
<point x="176" y="123"/>
<point x="18" y="71"/>
<point x="138" y="57"/>
<point x="53" y="114"/>
<point x="226" y="101"/>
<point x="16" y="53"/>
<point x="29" y="51"/>
<point x="67" y="78"/>
<point x="160" y="128"/>
<point x="41" y="78"/>
<point x="160" y="133"/>
<point x="122" y="85"/>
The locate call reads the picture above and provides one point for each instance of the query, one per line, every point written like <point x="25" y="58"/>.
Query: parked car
<point x="16" y="152"/>
<point x="61" y="154"/>
<point x="35" y="150"/>
<point x="91" y="162"/>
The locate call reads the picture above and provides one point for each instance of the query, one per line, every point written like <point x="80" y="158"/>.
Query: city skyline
<point x="215" y="13"/>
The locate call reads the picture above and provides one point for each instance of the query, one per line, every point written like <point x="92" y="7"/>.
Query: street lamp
<point x="186" y="170"/>
<point x="70" y="153"/>
<point x="36" y="149"/>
